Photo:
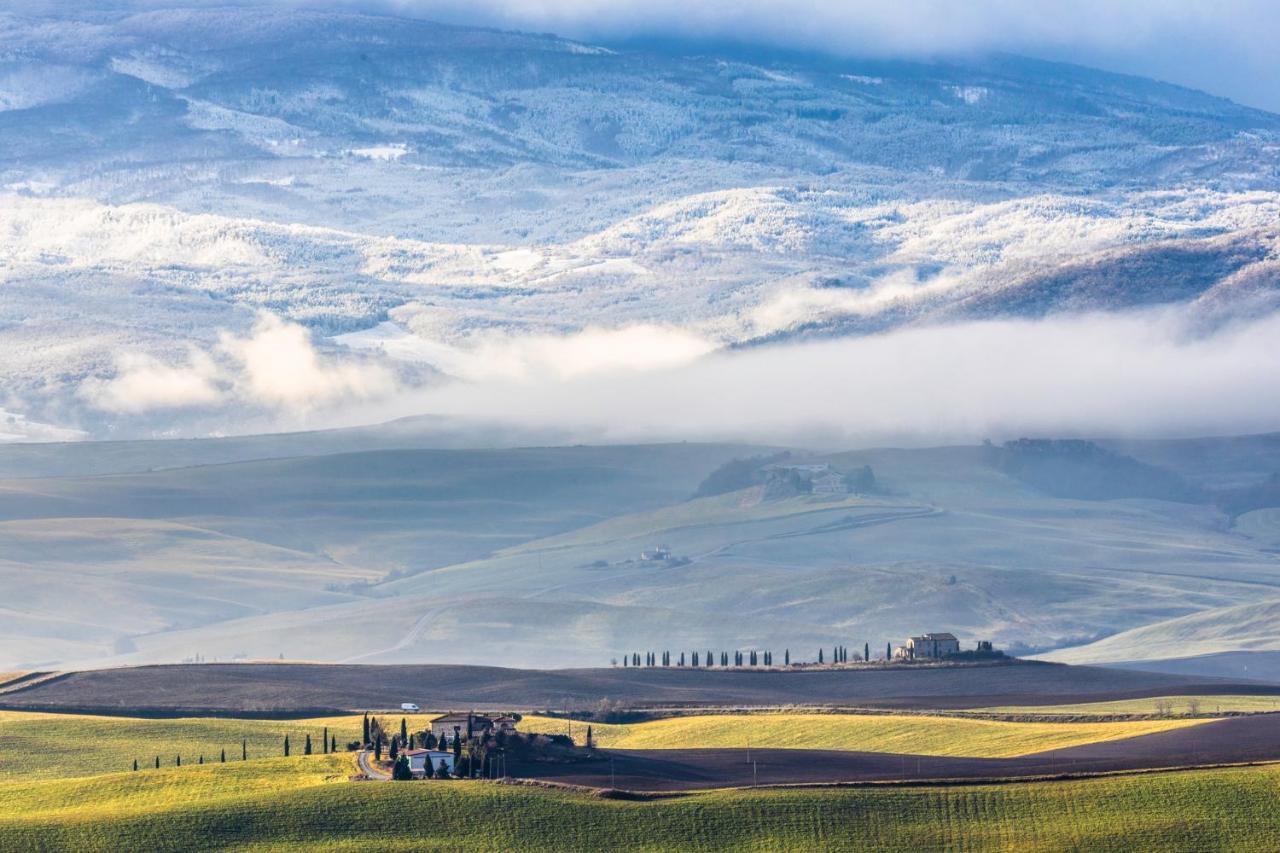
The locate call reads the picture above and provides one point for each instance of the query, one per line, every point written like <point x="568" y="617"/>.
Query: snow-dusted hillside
<point x="181" y="187"/>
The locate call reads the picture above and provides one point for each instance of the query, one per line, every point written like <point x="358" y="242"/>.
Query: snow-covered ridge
<point x="464" y="199"/>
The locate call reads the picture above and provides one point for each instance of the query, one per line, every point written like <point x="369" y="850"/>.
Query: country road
<point x="368" y="768"/>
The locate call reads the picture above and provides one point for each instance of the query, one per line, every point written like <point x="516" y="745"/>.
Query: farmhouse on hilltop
<point x="932" y="646"/>
<point x="480" y="723"/>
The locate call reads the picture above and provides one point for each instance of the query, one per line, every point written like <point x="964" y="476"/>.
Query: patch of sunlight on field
<point x="919" y="735"/>
<point x="45" y="746"/>
<point x="302" y="804"/>
<point x="1176" y="705"/>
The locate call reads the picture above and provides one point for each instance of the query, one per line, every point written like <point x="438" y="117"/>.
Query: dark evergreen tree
<point x="366" y="728"/>
<point x="324" y="741"/>
<point x="411" y="740"/>
<point x="819" y="655"/>
<point x="866" y="651"/>
<point x="786" y="657"/>
<point x="135" y="765"/>
<point x="428" y="740"/>
<point x="377" y="747"/>
<point x="201" y="761"/>
<point x="157" y="762"/>
<point x="442" y="771"/>
<point x="306" y="747"/>
<point x="589" y="743"/>
<point x="457" y="747"/>
<point x="286" y="746"/>
<point x="244" y="750"/>
<point x="401" y="772"/>
<point x="404" y="731"/>
<point x="223" y="759"/>
<point x="178" y="763"/>
<point x="888" y="651"/>
<point x="333" y="743"/>
<point x="394" y="750"/>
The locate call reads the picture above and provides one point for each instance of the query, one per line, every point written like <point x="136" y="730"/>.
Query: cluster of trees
<point x="376" y="736"/>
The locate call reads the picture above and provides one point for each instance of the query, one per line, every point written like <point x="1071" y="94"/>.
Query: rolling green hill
<point x="304" y="803"/>
<point x="918" y="735"/>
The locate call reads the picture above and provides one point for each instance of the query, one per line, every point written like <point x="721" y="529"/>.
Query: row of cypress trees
<point x="837" y="654"/>
<point x="328" y="743"/>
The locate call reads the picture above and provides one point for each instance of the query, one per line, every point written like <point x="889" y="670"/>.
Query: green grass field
<point x="304" y="803"/>
<point x="47" y="746"/>
<point x="1177" y="705"/>
<point x="919" y="735"/>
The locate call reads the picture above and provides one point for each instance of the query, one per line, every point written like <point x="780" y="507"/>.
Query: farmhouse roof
<point x="943" y="636"/>
<point x="461" y="718"/>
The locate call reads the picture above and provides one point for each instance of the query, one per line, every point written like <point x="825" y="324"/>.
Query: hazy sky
<point x="1227" y="47"/>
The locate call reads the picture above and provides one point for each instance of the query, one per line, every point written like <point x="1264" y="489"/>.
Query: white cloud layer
<point x="1143" y="373"/>
<point x="275" y="367"/>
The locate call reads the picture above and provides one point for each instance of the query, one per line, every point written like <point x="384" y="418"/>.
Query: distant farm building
<point x="662" y="552"/>
<point x="829" y="483"/>
<point x="932" y="646"/>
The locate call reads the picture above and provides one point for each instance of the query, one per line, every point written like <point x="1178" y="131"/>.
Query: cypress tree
<point x="157" y="762"/>
<point x="866" y="651"/>
<point x="457" y="749"/>
<point x="333" y="743"/>
<point x="135" y="765"/>
<point x="244" y="750"/>
<point x="377" y="747"/>
<point x="286" y="746"/>
<point x="588" y="742"/>
<point x="404" y="731"/>
<point x="819" y="655"/>
<point x="411" y="741"/>
<point x="179" y="762"/>
<point x="306" y="747"/>
<point x="366" y="727"/>
<point x="224" y="757"/>
<point x="888" y="651"/>
<point x="394" y="751"/>
<point x="786" y="657"/>
<point x="201" y="759"/>
<point x="324" y="742"/>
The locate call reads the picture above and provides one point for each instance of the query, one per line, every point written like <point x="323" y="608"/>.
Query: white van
<point x="409" y="706"/>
